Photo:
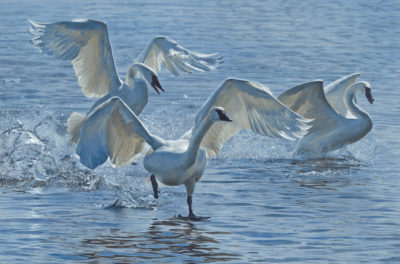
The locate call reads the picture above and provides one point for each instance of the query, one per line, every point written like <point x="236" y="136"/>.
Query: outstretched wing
<point x="86" y="45"/>
<point x="111" y="130"/>
<point x="251" y="106"/>
<point x="336" y="90"/>
<point x="163" y="51"/>
<point x="308" y="100"/>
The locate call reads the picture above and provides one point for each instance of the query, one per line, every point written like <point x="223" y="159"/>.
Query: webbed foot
<point x="192" y="217"/>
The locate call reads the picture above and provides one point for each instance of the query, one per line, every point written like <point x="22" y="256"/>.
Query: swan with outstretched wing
<point x="234" y="106"/>
<point x="330" y="130"/>
<point x="86" y="44"/>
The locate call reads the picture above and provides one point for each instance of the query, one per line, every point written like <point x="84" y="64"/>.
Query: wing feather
<point x="308" y="100"/>
<point x="251" y="106"/>
<point x="163" y="51"/>
<point x="86" y="45"/>
<point x="112" y="131"/>
<point x="124" y="145"/>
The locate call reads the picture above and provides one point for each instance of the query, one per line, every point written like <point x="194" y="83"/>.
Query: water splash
<point x="35" y="152"/>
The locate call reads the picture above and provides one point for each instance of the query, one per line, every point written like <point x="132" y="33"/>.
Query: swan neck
<point x="134" y="72"/>
<point x="197" y="137"/>
<point x="154" y="141"/>
<point x="352" y="106"/>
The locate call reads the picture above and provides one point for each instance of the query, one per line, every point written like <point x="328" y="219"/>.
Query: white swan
<point x="333" y="126"/>
<point x="86" y="44"/>
<point x="182" y="161"/>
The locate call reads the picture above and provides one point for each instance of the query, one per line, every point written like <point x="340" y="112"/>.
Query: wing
<point x="92" y="147"/>
<point x="251" y="106"/>
<point x="86" y="45"/>
<point x="163" y="51"/>
<point x="335" y="91"/>
<point x="309" y="100"/>
<point x="124" y="145"/>
<point x="111" y="130"/>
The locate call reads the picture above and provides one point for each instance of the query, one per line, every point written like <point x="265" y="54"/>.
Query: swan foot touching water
<point x="191" y="215"/>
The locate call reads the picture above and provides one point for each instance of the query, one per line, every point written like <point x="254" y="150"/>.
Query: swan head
<point x="140" y="70"/>
<point x="218" y="114"/>
<point x="365" y="87"/>
<point x="368" y="93"/>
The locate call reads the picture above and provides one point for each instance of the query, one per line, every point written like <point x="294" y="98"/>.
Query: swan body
<point x="86" y="44"/>
<point x="182" y="161"/>
<point x="334" y="125"/>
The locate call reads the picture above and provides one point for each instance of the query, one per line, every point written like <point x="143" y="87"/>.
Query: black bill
<point x="155" y="83"/>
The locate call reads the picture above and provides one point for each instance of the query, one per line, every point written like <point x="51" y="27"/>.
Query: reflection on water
<point x="326" y="173"/>
<point x="166" y="240"/>
<point x="328" y="164"/>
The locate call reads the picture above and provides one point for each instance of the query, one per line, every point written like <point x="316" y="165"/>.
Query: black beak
<point x="156" y="84"/>
<point x="223" y="116"/>
<point x="368" y="94"/>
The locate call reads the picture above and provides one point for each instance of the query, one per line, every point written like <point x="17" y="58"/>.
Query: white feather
<point x="86" y="45"/>
<point x="74" y="125"/>
<point x="330" y="130"/>
<point x="182" y="161"/>
<point x="251" y="106"/>
<point x="163" y="51"/>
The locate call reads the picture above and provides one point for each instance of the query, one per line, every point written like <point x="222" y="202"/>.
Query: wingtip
<point x="34" y="24"/>
<point x="35" y="28"/>
<point x="355" y="74"/>
<point x="304" y="126"/>
<point x="301" y="128"/>
<point x="291" y="137"/>
<point x="30" y="22"/>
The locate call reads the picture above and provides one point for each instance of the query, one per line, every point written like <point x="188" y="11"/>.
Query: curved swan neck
<point x="134" y="72"/>
<point x="349" y="100"/>
<point x="197" y="137"/>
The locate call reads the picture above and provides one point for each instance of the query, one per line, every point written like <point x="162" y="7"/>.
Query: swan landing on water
<point x="337" y="118"/>
<point x="86" y="44"/>
<point x="235" y="105"/>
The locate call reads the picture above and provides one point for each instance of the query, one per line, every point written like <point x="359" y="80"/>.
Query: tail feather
<point x="74" y="125"/>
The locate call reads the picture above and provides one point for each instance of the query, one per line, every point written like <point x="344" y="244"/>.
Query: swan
<point x="337" y="118"/>
<point x="86" y="44"/>
<point x="182" y="161"/>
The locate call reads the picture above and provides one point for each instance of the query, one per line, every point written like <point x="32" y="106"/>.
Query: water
<point x="264" y="206"/>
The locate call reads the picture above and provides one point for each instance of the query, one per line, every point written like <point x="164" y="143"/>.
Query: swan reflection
<point x="171" y="240"/>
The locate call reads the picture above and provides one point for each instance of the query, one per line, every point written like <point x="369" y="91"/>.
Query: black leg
<point x="189" y="190"/>
<point x="189" y="202"/>
<point x="191" y="215"/>
<point x="155" y="185"/>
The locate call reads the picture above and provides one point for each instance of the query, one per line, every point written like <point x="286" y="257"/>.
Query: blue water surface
<point x="264" y="206"/>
